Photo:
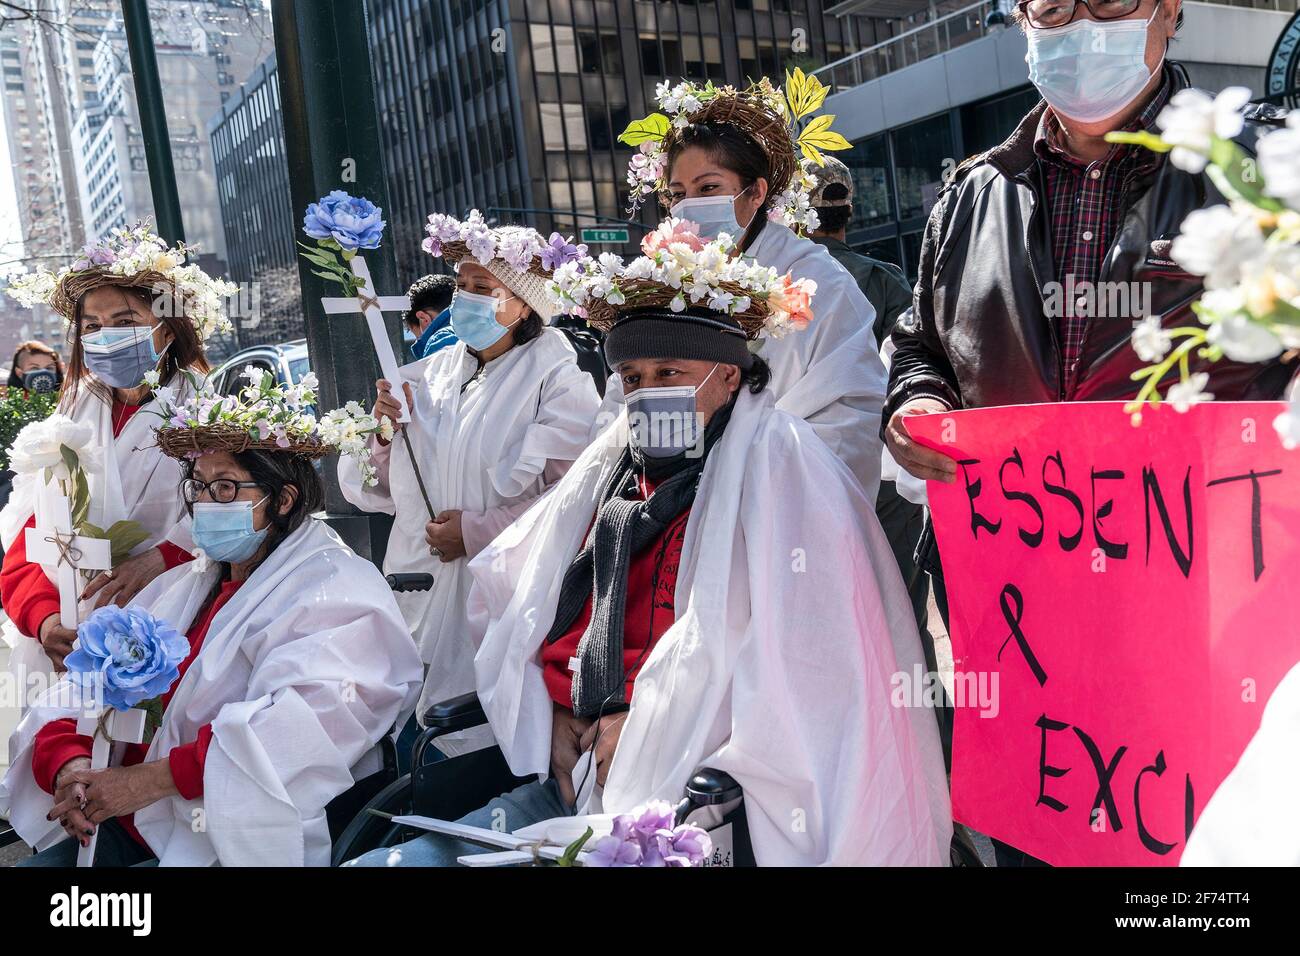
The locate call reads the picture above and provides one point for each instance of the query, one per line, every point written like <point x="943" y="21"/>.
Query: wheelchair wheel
<point x="367" y="831"/>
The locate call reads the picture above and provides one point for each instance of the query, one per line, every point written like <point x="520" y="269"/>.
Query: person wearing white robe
<point x="789" y="623"/>
<point x="492" y="428"/>
<point x="1251" y="820"/>
<point x="131" y="481"/>
<point x="300" y="673"/>
<point x="832" y="375"/>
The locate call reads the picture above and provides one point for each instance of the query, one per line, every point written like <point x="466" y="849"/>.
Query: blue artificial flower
<point x="353" y="222"/>
<point x="135" y="655"/>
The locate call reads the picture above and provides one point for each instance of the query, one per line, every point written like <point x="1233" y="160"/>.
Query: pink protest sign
<point x="1129" y="593"/>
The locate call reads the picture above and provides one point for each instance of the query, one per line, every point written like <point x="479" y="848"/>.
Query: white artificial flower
<point x="39" y="446"/>
<point x="1150" y="340"/>
<point x="166" y="395"/>
<point x="1183" y="395"/>
<point x="151" y="378"/>
<point x="678" y="304"/>
<point x="1216" y="242"/>
<point x="1243" y="340"/>
<point x="1279" y="162"/>
<point x="1192" y="119"/>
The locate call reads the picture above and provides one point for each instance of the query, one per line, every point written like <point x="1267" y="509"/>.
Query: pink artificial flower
<point x="672" y="231"/>
<point x="794" y="298"/>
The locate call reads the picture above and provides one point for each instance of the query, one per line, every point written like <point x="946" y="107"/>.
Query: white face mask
<point x="1090" y="70"/>
<point x="666" y="421"/>
<point x="713" y="214"/>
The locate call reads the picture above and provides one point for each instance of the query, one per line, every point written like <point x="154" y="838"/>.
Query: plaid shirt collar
<point x="1049" y="140"/>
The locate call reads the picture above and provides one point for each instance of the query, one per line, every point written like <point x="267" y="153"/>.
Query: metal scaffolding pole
<point x="153" y="121"/>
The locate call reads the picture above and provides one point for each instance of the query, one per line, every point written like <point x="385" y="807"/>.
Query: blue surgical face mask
<point x="1090" y="70"/>
<point x="666" y="421"/>
<point x="713" y="214"/>
<point x="120" y="357"/>
<point x="225" y="532"/>
<point x="474" y="319"/>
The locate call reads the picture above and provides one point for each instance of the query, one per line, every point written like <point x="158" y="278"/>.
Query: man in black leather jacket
<point x="1054" y="205"/>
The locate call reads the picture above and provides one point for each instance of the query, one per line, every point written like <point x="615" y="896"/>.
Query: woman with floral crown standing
<point x="496" y="419"/>
<point x="138" y="316"/>
<point x="729" y="161"/>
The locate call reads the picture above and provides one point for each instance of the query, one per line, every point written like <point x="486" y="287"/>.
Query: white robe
<point x="830" y="374"/>
<point x="791" y="620"/>
<point x="302" y="671"/>
<point x="135" y="481"/>
<point x="479" y="451"/>
<point x="1251" y="820"/>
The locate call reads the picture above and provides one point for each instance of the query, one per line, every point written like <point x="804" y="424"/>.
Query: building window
<point x="919" y="153"/>
<point x="562" y="126"/>
<point x="600" y="53"/>
<point x="554" y="49"/>
<point x="661" y="58"/>
<point x="872" y="200"/>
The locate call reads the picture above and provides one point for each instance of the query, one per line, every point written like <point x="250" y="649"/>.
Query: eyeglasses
<point x="1045" y="14"/>
<point x="222" y="490"/>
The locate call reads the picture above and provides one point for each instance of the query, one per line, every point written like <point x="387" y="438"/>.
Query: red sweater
<point x="58" y="741"/>
<point x="648" y="612"/>
<point x="28" y="596"/>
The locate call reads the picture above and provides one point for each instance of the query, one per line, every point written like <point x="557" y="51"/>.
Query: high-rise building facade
<point x="515" y="106"/>
<point x="203" y="48"/>
<point x="247" y="138"/>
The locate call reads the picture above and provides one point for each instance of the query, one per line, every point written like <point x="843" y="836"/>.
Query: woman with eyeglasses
<point x="299" y="663"/>
<point x="137" y="317"/>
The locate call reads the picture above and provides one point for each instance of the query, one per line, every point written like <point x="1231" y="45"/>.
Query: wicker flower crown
<point x="678" y="270"/>
<point x="131" y="258"/>
<point x="780" y="121"/>
<point x="267" y="416"/>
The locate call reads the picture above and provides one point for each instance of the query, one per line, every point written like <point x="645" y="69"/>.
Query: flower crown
<point x="773" y="117"/>
<point x="265" y="415"/>
<point x="520" y="247"/>
<point x="680" y="269"/>
<point x="138" y="258"/>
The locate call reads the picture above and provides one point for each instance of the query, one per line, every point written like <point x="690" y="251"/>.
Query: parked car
<point x="287" y="362"/>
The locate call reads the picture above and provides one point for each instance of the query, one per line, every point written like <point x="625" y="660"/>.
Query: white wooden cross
<point x="70" y="553"/>
<point x="373" y="308"/>
<point x="111" y="731"/>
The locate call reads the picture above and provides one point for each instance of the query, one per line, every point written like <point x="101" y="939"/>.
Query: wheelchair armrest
<point x="458" y="713"/>
<point x="710" y="788"/>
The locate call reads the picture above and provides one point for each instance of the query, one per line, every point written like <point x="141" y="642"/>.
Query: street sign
<point x="613" y="237"/>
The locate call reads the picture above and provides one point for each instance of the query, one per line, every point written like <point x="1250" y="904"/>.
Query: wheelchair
<point x="448" y="789"/>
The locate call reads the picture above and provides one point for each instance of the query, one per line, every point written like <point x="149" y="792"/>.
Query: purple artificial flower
<point x="353" y="222"/>
<point x="687" y="845"/>
<point x="655" y="816"/>
<point x="613" y="851"/>
<point x="558" y="251"/>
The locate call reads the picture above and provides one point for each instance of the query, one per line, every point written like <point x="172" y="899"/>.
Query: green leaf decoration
<point x="654" y="127"/>
<point x="1143" y="138"/>
<point x="804" y="93"/>
<point x="1227" y="170"/>
<point x="571" y="851"/>
<point x="818" y="136"/>
<point x="124" y="537"/>
<point x="80" y="498"/>
<point x="70" y="459"/>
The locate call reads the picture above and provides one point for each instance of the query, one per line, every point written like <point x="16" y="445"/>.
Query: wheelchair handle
<point x="409" y="581"/>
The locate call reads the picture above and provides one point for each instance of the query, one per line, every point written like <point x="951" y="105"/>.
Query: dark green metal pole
<point x="332" y="141"/>
<point x="153" y="121"/>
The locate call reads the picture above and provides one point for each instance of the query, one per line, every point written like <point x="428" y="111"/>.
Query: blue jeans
<point x="115" y="847"/>
<point x="531" y="803"/>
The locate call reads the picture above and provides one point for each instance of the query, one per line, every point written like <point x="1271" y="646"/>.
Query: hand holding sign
<point x="1127" y="592"/>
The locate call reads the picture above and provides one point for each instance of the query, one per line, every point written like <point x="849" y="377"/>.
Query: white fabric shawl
<point x="830" y="374"/>
<point x="1251" y="819"/>
<point x="791" y="620"/>
<point x="302" y="671"/>
<point x="478" y="450"/>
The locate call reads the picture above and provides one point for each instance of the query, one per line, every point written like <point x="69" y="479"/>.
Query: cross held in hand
<point x="373" y="308"/>
<point x="58" y="545"/>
